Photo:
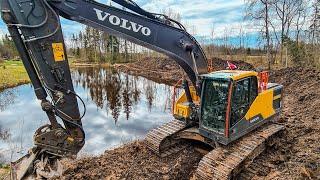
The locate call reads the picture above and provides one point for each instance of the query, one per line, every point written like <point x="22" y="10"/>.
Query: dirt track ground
<point x="296" y="156"/>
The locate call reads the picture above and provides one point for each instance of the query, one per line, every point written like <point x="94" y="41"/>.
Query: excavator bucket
<point x="36" y="165"/>
<point x="23" y="166"/>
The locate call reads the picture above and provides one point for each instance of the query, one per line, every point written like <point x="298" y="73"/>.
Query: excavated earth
<point x="164" y="70"/>
<point x="295" y="156"/>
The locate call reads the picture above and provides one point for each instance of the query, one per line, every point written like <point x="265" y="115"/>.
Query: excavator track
<point x="161" y="141"/>
<point x="226" y="162"/>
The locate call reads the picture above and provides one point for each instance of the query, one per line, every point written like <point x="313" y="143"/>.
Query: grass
<point x="12" y="73"/>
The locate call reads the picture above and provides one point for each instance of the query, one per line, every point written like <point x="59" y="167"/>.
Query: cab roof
<point x="230" y="74"/>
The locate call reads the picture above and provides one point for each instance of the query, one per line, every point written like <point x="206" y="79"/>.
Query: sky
<point x="218" y="16"/>
<point x="204" y="14"/>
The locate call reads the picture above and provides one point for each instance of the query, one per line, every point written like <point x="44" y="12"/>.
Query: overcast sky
<point x="224" y="16"/>
<point x="204" y="14"/>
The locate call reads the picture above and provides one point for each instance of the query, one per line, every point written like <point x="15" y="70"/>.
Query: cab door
<point x="244" y="93"/>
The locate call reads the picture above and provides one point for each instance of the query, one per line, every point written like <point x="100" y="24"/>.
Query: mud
<point x="134" y="161"/>
<point x="296" y="155"/>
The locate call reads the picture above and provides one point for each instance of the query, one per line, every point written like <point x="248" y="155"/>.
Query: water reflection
<point x="120" y="108"/>
<point x="112" y="90"/>
<point x="7" y="98"/>
<point x="4" y="134"/>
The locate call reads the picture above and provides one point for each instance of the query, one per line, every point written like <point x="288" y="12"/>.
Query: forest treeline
<point x="289" y="29"/>
<point x="7" y="48"/>
<point x="92" y="45"/>
<point x="287" y="33"/>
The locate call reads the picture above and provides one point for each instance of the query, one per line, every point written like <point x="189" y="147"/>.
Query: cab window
<point x="214" y="105"/>
<point x="244" y="93"/>
<point x="253" y="89"/>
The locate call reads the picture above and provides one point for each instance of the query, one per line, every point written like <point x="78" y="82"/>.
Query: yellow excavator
<point x="231" y="111"/>
<point x="235" y="116"/>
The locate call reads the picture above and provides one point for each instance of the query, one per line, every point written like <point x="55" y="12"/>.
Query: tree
<point x="315" y="29"/>
<point x="248" y="51"/>
<point x="300" y="18"/>
<point x="74" y="40"/>
<point x="298" y="52"/>
<point x="315" y="23"/>
<point x="212" y="39"/>
<point x="114" y="48"/>
<point x="259" y="12"/>
<point x="172" y="14"/>
<point x="7" y="48"/>
<point x="285" y="12"/>
<point x="105" y="44"/>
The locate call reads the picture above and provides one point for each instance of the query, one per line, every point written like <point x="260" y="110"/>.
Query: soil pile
<point x="295" y="156"/>
<point x="160" y="70"/>
<point x="164" y="70"/>
<point x="220" y="64"/>
<point x="134" y="161"/>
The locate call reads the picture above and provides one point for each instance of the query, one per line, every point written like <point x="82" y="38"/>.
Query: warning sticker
<point x="58" y="52"/>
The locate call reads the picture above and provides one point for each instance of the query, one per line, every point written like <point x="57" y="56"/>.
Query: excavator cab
<point x="232" y="106"/>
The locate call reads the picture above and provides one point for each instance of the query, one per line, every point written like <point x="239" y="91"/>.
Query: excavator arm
<point x="35" y="28"/>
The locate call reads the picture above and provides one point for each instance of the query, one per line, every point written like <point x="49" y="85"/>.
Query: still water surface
<point x="120" y="108"/>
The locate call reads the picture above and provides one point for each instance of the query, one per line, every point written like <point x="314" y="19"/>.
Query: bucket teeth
<point x="227" y="162"/>
<point x="160" y="140"/>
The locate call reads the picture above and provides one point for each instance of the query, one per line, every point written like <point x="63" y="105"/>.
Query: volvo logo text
<point x="123" y="23"/>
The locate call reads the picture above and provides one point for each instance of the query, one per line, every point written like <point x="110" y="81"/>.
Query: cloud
<point x="203" y="14"/>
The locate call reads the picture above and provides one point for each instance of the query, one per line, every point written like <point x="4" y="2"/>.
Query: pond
<point x="120" y="108"/>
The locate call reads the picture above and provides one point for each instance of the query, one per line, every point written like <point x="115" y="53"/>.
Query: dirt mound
<point x="134" y="161"/>
<point x="164" y="70"/>
<point x="220" y="64"/>
<point x="160" y="70"/>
